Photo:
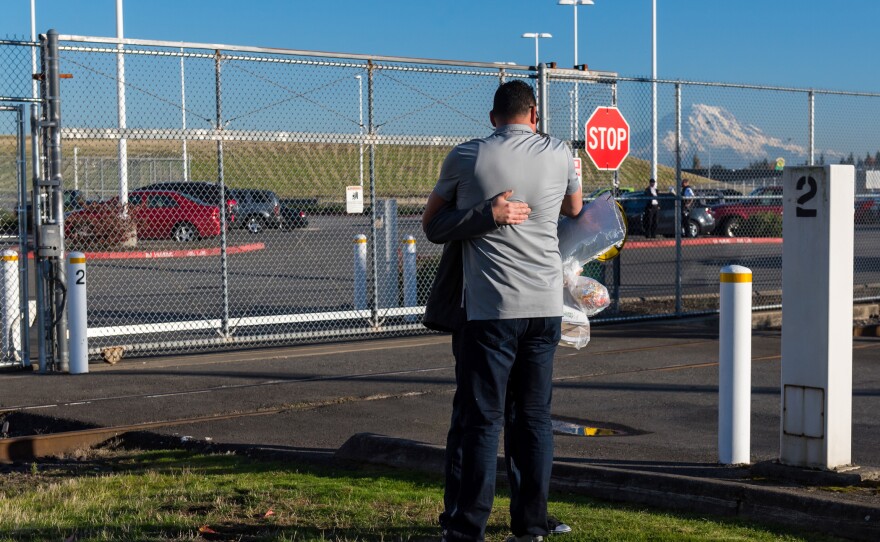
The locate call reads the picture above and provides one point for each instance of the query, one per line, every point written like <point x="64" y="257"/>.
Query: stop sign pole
<point x="607" y="138"/>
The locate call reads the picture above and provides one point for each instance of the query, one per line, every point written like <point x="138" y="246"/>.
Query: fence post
<point x="734" y="365"/>
<point x="543" y="99"/>
<point x="37" y="211"/>
<point x="52" y="143"/>
<point x="22" y="241"/>
<point x="678" y="201"/>
<point x="360" y="272"/>
<point x="615" y="190"/>
<point x="812" y="105"/>
<point x="373" y="210"/>
<point x="224" y="264"/>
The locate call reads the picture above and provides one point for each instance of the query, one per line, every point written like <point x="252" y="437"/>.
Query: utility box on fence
<point x="817" y="308"/>
<point x="387" y="247"/>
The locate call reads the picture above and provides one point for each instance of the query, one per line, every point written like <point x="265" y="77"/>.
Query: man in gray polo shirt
<point x="513" y="298"/>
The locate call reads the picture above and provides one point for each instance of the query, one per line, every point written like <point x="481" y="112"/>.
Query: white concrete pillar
<point x="817" y="305"/>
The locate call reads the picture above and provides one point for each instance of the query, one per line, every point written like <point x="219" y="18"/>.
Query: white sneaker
<point x="557" y="527"/>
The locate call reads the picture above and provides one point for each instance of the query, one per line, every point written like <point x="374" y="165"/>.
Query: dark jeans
<point x="650" y="220"/>
<point x="501" y="362"/>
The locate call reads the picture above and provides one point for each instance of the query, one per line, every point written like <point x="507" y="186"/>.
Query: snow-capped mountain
<point x="716" y="136"/>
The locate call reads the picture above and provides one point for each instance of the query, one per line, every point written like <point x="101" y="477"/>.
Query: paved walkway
<point x="654" y="384"/>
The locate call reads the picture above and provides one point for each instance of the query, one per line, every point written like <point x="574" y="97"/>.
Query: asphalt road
<point x="311" y="270"/>
<point x="656" y="383"/>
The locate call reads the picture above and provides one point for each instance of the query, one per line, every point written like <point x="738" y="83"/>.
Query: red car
<point x="730" y="216"/>
<point x="867" y="210"/>
<point x="156" y="214"/>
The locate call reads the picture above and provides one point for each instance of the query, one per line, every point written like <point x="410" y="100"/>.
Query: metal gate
<point x="267" y="146"/>
<point x="14" y="308"/>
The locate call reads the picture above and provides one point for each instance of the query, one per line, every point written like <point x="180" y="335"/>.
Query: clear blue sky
<point x="801" y="43"/>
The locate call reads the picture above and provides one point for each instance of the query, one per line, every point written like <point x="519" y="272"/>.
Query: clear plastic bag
<point x="582" y="297"/>
<point x="575" y="335"/>
<point x="588" y="295"/>
<point x="596" y="230"/>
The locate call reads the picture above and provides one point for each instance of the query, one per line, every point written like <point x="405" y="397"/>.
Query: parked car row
<point x="724" y="212"/>
<point x="181" y="211"/>
<point x="699" y="219"/>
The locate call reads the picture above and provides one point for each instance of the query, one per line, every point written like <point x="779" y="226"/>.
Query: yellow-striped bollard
<point x="360" y="272"/>
<point x="735" y="365"/>
<point x="9" y="313"/>
<point x="77" y="313"/>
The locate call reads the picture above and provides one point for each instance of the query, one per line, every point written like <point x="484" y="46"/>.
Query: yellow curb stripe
<point x="736" y="277"/>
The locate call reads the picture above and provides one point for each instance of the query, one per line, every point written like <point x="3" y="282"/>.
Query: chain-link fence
<point x="209" y="188"/>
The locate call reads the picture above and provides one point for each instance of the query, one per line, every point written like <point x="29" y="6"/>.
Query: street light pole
<point x="120" y="109"/>
<point x="575" y="4"/>
<point x="361" y="124"/>
<point x="654" y="89"/>
<point x="537" y="36"/>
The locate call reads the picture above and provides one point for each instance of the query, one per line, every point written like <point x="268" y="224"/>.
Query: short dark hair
<point x="513" y="98"/>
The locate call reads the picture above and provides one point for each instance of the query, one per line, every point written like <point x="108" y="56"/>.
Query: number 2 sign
<point x="807" y="188"/>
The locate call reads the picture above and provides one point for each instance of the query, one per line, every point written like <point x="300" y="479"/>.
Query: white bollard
<point x="409" y="273"/>
<point x="76" y="313"/>
<point x="360" y="272"/>
<point x="735" y="366"/>
<point x="10" y="311"/>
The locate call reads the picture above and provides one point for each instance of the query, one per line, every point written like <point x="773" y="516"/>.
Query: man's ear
<point x="492" y="119"/>
<point x="533" y="115"/>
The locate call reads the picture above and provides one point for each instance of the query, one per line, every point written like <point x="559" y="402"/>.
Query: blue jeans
<point x="503" y="362"/>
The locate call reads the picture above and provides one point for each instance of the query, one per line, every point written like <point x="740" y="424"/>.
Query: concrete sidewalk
<point x="652" y="385"/>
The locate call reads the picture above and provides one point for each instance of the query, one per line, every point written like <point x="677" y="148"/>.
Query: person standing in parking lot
<point x="652" y="210"/>
<point x="688" y="199"/>
<point x="513" y="301"/>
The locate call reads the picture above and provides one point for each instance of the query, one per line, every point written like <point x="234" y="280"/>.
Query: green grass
<point x="293" y="170"/>
<point x="173" y="495"/>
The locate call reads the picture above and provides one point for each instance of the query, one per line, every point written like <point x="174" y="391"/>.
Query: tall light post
<point x="654" y="89"/>
<point x="120" y="109"/>
<point x="536" y="36"/>
<point x="575" y="4"/>
<point x="361" y="124"/>
<point x="34" y="88"/>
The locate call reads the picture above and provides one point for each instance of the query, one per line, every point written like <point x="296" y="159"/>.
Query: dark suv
<point x="204" y="192"/>
<point x="257" y="209"/>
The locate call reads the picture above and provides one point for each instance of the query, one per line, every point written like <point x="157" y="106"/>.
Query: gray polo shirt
<point x="513" y="271"/>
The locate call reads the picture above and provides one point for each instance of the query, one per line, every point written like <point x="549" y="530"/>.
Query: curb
<point x="667" y="491"/>
<point x="702" y="241"/>
<point x="160" y="254"/>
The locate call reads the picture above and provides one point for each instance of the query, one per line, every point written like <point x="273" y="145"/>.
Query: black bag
<point x="443" y="311"/>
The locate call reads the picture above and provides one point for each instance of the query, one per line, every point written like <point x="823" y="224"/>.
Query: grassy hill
<point x="293" y="170"/>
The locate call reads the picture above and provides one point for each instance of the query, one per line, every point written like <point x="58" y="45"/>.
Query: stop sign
<point x="607" y="138"/>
